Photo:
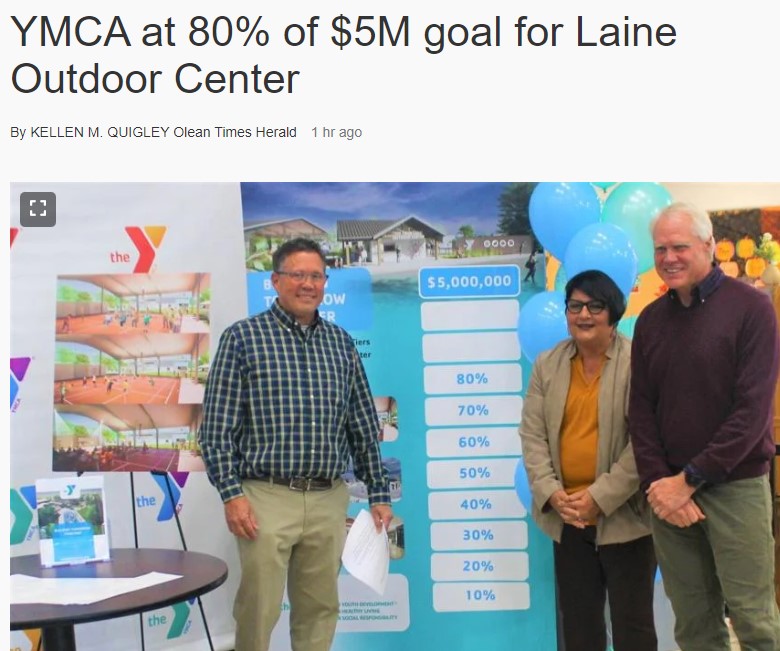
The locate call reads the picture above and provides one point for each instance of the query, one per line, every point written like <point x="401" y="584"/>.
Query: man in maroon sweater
<point x="704" y="368"/>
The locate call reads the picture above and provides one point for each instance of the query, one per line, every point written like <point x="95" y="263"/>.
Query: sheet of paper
<point x="33" y="590"/>
<point x="366" y="554"/>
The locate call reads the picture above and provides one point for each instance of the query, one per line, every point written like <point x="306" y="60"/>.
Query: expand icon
<point x="23" y="504"/>
<point x="170" y="504"/>
<point x="19" y="366"/>
<point x="147" y="240"/>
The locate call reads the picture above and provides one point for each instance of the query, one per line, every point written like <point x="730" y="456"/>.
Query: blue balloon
<point x="626" y="326"/>
<point x="632" y="206"/>
<point x="522" y="486"/>
<point x="560" y="280"/>
<point x="605" y="247"/>
<point x="559" y="210"/>
<point x="542" y="323"/>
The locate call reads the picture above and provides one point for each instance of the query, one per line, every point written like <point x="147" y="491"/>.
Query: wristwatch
<point x="693" y="478"/>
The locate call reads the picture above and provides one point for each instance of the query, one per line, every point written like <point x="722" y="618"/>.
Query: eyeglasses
<point x="300" y="276"/>
<point x="594" y="307"/>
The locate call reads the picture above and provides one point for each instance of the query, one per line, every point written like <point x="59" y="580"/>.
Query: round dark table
<point x="200" y="573"/>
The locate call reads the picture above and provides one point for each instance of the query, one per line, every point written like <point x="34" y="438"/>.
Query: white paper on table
<point x="33" y="590"/>
<point x="366" y="554"/>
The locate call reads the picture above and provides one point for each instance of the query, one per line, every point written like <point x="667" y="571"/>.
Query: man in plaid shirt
<point x="287" y="404"/>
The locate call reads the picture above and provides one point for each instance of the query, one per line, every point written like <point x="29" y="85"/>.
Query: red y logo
<point x="14" y="233"/>
<point x="147" y="240"/>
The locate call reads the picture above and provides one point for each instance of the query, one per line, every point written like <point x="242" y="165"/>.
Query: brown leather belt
<point x="300" y="483"/>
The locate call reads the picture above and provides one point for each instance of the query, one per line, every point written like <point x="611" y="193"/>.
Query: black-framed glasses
<point x="594" y="307"/>
<point x="300" y="276"/>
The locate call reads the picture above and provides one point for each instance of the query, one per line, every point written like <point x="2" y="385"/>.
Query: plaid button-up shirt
<point x="290" y="402"/>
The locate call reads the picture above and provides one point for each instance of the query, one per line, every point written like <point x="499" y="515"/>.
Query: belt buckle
<point x="300" y="484"/>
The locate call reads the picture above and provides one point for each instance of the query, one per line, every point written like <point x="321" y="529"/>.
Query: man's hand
<point x="382" y="514"/>
<point x="688" y="514"/>
<point x="240" y="518"/>
<point x="561" y="502"/>
<point x="585" y="506"/>
<point x="667" y="495"/>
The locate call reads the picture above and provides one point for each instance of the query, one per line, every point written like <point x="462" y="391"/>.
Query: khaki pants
<point x="300" y="540"/>
<point x="726" y="559"/>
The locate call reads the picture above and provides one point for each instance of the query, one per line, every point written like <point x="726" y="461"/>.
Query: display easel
<point x="169" y="489"/>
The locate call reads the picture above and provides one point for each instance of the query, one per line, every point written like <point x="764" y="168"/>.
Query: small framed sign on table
<point x="72" y="520"/>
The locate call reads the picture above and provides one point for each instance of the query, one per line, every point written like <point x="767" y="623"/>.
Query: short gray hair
<point x="701" y="223"/>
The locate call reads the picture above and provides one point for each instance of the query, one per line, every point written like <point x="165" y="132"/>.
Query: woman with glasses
<point x="583" y="478"/>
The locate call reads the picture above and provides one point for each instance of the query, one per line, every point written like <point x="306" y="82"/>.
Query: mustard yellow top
<point x="580" y="430"/>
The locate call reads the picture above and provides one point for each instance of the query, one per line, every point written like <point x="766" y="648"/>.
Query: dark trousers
<point x="587" y="575"/>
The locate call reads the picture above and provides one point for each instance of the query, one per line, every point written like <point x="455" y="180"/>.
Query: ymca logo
<point x="19" y="367"/>
<point x="23" y="504"/>
<point x="181" y="619"/>
<point x="170" y="506"/>
<point x="181" y="622"/>
<point x="147" y="240"/>
<point x="14" y="233"/>
<point x="27" y="640"/>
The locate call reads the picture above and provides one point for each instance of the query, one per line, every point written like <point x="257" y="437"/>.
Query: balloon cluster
<point x="573" y="224"/>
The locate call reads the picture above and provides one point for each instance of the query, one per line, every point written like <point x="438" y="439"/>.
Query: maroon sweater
<point x="702" y="383"/>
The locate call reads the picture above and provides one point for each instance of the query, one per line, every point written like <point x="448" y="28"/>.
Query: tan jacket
<point x="625" y="515"/>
